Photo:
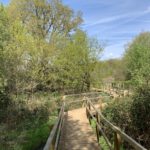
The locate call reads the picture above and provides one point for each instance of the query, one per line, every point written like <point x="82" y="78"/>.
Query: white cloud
<point x="118" y="17"/>
<point x="110" y="55"/>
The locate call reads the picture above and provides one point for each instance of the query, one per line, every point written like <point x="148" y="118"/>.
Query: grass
<point x="27" y="139"/>
<point x="102" y="142"/>
<point x="28" y="122"/>
<point x="37" y="137"/>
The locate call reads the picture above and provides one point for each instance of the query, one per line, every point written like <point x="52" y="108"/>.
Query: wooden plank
<point x="77" y="133"/>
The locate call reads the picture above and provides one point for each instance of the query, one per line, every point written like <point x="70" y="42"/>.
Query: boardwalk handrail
<point x="53" y="139"/>
<point x="117" y="132"/>
<point x="81" y="94"/>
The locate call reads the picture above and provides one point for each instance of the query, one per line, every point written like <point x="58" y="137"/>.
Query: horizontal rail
<point x="52" y="141"/>
<point x="59" y="131"/>
<point x="104" y="135"/>
<point x="88" y="93"/>
<point x="76" y="101"/>
<point x="94" y="98"/>
<point x="67" y="103"/>
<point x="131" y="141"/>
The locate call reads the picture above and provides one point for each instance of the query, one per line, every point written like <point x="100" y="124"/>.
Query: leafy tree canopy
<point x="137" y="58"/>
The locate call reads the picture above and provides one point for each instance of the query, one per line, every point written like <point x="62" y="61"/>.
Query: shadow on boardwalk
<point x="77" y="133"/>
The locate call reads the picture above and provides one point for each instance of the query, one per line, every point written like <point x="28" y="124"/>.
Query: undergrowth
<point x="27" y="121"/>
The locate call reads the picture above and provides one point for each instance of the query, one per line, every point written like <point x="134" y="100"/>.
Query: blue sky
<point x="114" y="22"/>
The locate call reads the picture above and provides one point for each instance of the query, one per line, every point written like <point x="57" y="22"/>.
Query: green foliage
<point x="26" y="125"/>
<point x="137" y="58"/>
<point x="113" y="68"/>
<point x="140" y="110"/>
<point x="61" y="58"/>
<point x="5" y="101"/>
<point x="16" y="56"/>
<point x="4" y="38"/>
<point x="47" y="18"/>
<point x="76" y="63"/>
<point x="118" y="112"/>
<point x="103" y="143"/>
<point x="132" y="116"/>
<point x="27" y="139"/>
<point x="4" y="24"/>
<point x="38" y="135"/>
<point x="41" y="49"/>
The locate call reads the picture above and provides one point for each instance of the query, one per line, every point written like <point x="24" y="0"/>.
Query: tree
<point x="137" y="58"/>
<point x="46" y="48"/>
<point x="45" y="18"/>
<point x="17" y="55"/>
<point x="4" y="38"/>
<point x="52" y="24"/>
<point x="108" y="69"/>
<point x="76" y="62"/>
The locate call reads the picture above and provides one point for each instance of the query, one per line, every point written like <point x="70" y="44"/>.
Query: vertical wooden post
<point x="89" y="106"/>
<point x="97" y="129"/>
<point x="89" y="113"/>
<point x="117" y="141"/>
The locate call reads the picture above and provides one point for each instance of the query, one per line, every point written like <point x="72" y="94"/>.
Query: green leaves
<point x="45" y="48"/>
<point x="137" y="59"/>
<point x="45" y="18"/>
<point x="75" y="63"/>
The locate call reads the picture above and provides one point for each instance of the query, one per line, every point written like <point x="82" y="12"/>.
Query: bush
<point x="4" y="103"/>
<point x="140" y="108"/>
<point x="132" y="116"/>
<point x="37" y="137"/>
<point x="26" y="122"/>
<point x="4" y="100"/>
<point x="140" y="115"/>
<point x="118" y="112"/>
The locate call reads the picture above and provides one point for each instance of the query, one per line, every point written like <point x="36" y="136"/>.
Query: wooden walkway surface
<point x="77" y="133"/>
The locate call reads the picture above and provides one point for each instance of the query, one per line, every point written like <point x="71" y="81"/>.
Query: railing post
<point x="89" y="113"/>
<point x="97" y="129"/>
<point x="86" y="104"/>
<point x="117" y="141"/>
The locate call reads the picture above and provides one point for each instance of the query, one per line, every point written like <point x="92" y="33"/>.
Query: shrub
<point x="132" y="116"/>
<point x="140" y="108"/>
<point x="118" y="112"/>
<point x="140" y="115"/>
<point x="4" y="103"/>
<point x="4" y="100"/>
<point x="27" y="123"/>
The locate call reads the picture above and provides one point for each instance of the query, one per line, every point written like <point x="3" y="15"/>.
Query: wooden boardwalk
<point x="77" y="133"/>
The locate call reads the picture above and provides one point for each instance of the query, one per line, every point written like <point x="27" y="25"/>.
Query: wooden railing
<point x="53" y="139"/>
<point x="118" y="134"/>
<point x="95" y="114"/>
